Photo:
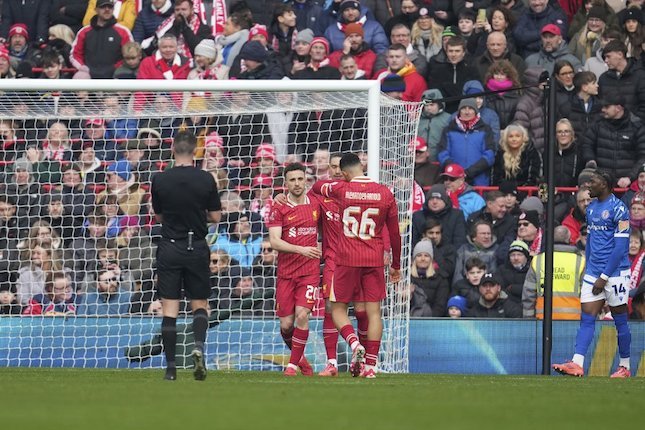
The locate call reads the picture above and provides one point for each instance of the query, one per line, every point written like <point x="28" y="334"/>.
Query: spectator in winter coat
<point x="426" y="173"/>
<point x="596" y="64"/>
<point x="282" y="30"/>
<point x="426" y="34"/>
<point x="616" y="142"/>
<point x="577" y="216"/>
<point x="349" y="11"/>
<point x="433" y="121"/>
<point x="97" y="47"/>
<point x="468" y="287"/>
<point x="586" y="42"/>
<point x="496" y="50"/>
<point x="402" y="35"/>
<point x="399" y="63"/>
<point x="488" y="115"/>
<point x="423" y="277"/>
<point x="310" y="14"/>
<point x="494" y="303"/>
<point x="531" y="23"/>
<point x="68" y="12"/>
<point x="480" y="243"/>
<point x="513" y="272"/>
<point x="499" y="20"/>
<point x="125" y="12"/>
<point x="150" y="18"/>
<point x="257" y="63"/>
<point x="502" y="76"/>
<point x="468" y="142"/>
<point x="438" y="206"/>
<point x="530" y="112"/>
<point x="445" y="254"/>
<point x="568" y="161"/>
<point x="318" y="66"/>
<point x="236" y="34"/>
<point x="552" y="49"/>
<point x="517" y="158"/>
<point x="34" y="14"/>
<point x="453" y="74"/>
<point x="462" y="195"/>
<point x="187" y="27"/>
<point x="583" y="107"/>
<point x="355" y="46"/>
<point x="497" y="214"/>
<point x="625" y="77"/>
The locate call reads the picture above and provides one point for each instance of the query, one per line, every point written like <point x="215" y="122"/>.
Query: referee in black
<point x="183" y="198"/>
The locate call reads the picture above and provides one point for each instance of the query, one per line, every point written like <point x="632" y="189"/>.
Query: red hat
<point x="454" y="171"/>
<point x="95" y="121"/>
<point x="213" y="140"/>
<point x="262" y="181"/>
<point x="265" y="150"/>
<point x="354" y="27"/>
<point x="20" y="29"/>
<point x="320" y="40"/>
<point x="4" y="53"/>
<point x="419" y="144"/>
<point x="551" y="28"/>
<point x="258" y="29"/>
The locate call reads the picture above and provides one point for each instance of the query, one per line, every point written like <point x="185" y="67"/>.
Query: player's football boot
<point x="171" y="374"/>
<point x="569" y="368"/>
<point x="368" y="373"/>
<point x="358" y="361"/>
<point x="305" y="367"/>
<point x="621" y="372"/>
<point x="290" y="371"/>
<point x="199" y="371"/>
<point x="329" y="370"/>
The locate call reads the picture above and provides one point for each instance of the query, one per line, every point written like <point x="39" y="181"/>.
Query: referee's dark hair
<point x="184" y="143"/>
<point x="293" y="167"/>
<point x="349" y="160"/>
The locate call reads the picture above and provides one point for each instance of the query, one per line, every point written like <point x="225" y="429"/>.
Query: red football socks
<point x="362" y="322"/>
<point x="347" y="332"/>
<point x="298" y="341"/>
<point x="287" y="337"/>
<point x="371" y="351"/>
<point x="330" y="336"/>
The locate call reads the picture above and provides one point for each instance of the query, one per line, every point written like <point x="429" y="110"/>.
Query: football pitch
<point x="140" y="399"/>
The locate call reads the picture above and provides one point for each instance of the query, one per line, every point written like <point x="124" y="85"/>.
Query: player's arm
<point x="214" y="208"/>
<point x="392" y="223"/>
<point x="156" y="206"/>
<point x="324" y="188"/>
<point x="280" y="245"/>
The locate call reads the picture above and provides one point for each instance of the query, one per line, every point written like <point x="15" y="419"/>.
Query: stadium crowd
<point x="77" y="231"/>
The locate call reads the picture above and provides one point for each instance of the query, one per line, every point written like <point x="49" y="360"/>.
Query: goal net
<point x="78" y="233"/>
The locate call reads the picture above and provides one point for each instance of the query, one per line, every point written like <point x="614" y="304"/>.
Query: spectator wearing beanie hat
<point x="424" y="277"/>
<point x="349" y="11"/>
<point x="426" y="173"/>
<point x="122" y="183"/>
<point x="586" y="41"/>
<point x="468" y="142"/>
<point x="208" y="62"/>
<point x="461" y="194"/>
<point x="456" y="307"/>
<point x="393" y="85"/>
<point x="18" y="44"/>
<point x="257" y="64"/>
<point x="529" y="230"/>
<point x="355" y="46"/>
<point x="299" y="57"/>
<point x="438" y="206"/>
<point x="318" y="66"/>
<point x="513" y="272"/>
<point x="433" y="120"/>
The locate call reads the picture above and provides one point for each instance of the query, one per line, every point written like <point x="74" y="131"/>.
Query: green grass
<point x="133" y="399"/>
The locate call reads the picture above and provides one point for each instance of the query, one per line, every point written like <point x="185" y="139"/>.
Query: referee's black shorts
<point x="178" y="268"/>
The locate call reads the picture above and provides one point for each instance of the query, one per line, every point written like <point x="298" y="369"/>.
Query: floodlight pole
<point x="549" y="152"/>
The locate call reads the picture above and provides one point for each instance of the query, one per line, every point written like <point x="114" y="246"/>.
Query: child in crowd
<point x="456" y="307"/>
<point x="469" y="286"/>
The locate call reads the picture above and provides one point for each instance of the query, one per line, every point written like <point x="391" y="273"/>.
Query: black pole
<point x="549" y="152"/>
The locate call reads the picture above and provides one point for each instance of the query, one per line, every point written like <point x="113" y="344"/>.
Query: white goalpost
<point x="77" y="230"/>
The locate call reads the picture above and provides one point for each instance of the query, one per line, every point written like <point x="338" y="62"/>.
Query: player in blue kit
<point x="606" y="275"/>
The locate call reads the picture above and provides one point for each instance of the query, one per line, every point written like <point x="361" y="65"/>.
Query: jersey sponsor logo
<point x="292" y="232"/>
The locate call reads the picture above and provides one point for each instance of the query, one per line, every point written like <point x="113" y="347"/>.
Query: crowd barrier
<point x="436" y="345"/>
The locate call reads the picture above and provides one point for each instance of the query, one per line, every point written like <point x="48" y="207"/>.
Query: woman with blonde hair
<point x="517" y="159"/>
<point x="62" y="32"/>
<point x="426" y="34"/>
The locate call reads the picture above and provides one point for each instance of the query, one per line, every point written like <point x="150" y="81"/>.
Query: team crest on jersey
<point x="605" y="214"/>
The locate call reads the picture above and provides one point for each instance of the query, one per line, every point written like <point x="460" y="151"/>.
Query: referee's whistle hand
<point x="310" y="252"/>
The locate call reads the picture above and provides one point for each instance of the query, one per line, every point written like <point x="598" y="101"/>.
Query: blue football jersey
<point x="606" y="221"/>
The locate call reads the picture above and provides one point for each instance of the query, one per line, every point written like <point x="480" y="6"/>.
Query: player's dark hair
<point x="294" y="167"/>
<point x="349" y="160"/>
<point x="475" y="262"/>
<point x="606" y="176"/>
<point x="184" y="143"/>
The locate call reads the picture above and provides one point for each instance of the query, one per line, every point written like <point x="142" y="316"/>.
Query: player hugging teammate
<point x="364" y="208"/>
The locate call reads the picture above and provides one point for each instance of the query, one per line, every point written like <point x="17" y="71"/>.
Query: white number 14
<point x="365" y="228"/>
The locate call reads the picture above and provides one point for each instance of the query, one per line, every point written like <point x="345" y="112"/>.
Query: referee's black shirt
<point x="183" y="195"/>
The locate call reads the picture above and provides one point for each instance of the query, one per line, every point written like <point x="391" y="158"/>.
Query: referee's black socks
<point x="169" y="338"/>
<point x="200" y="325"/>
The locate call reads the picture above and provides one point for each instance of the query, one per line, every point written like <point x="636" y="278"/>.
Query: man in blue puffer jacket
<point x="350" y="11"/>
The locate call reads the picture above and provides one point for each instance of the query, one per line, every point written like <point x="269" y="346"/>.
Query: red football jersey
<point x="299" y="227"/>
<point x="332" y="228"/>
<point x="366" y="207"/>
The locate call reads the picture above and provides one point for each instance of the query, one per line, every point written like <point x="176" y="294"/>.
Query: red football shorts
<point x="292" y="292"/>
<point x="327" y="279"/>
<point x="358" y="284"/>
